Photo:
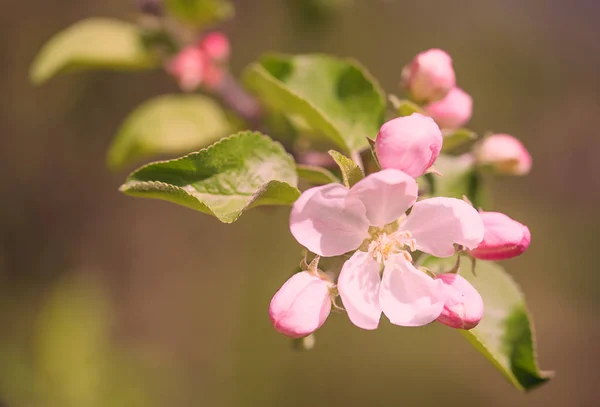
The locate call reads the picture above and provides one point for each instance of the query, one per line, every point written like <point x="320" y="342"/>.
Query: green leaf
<point x="95" y="43"/>
<point x="456" y="138"/>
<point x="335" y="97"/>
<point x="505" y="335"/>
<point x="200" y="12"/>
<point x="237" y="173"/>
<point x="351" y="172"/>
<point x="459" y="178"/>
<point x="316" y="175"/>
<point x="168" y="124"/>
<point x="405" y="107"/>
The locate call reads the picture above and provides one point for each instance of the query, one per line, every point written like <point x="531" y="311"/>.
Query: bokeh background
<point x="106" y="300"/>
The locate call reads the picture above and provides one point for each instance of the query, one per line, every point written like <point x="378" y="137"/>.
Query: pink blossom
<point x="216" y="46"/>
<point x="331" y="220"/>
<point x="188" y="67"/>
<point x="201" y="64"/>
<point x="410" y="144"/>
<point x="453" y="111"/>
<point x="504" y="238"/>
<point x="463" y="308"/>
<point x="430" y="75"/>
<point x="504" y="153"/>
<point x="301" y="305"/>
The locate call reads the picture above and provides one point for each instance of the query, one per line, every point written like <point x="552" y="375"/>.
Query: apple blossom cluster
<point x="381" y="229"/>
<point x="201" y="64"/>
<point x="430" y="81"/>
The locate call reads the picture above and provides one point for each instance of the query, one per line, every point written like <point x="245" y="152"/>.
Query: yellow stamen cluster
<point x="384" y="245"/>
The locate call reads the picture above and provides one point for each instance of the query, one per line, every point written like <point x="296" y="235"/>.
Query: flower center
<point x="384" y="245"/>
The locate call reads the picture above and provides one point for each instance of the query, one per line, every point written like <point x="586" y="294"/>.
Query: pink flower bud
<point x="188" y="67"/>
<point x="464" y="306"/>
<point x="410" y="144"/>
<point x="453" y="111"/>
<point x="216" y="46"/>
<point x="301" y="305"/>
<point x="503" y="238"/>
<point x="505" y="153"/>
<point x="430" y="75"/>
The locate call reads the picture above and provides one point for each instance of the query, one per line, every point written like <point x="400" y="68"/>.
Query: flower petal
<point x="386" y="195"/>
<point x="358" y="285"/>
<point x="301" y="305"/>
<point x="408" y="296"/>
<point x="437" y="223"/>
<point x="327" y="222"/>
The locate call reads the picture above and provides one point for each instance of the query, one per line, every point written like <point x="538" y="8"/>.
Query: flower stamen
<point x="383" y="245"/>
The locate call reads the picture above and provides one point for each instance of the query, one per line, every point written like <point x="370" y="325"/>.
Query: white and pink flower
<point x="370" y="219"/>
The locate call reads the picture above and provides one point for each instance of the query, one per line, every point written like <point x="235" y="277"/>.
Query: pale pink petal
<point x="409" y="297"/>
<point x="437" y="223"/>
<point x="301" y="305"/>
<point x="386" y="194"/>
<point x="358" y="285"/>
<point x="464" y="306"/>
<point x="327" y="222"/>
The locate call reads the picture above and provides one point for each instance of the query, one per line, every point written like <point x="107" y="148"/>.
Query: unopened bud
<point x="301" y="305"/>
<point x="410" y="144"/>
<point x="188" y="67"/>
<point x="503" y="238"/>
<point x="453" y="111"/>
<point x="216" y="46"/>
<point x="429" y="76"/>
<point x="464" y="306"/>
<point x="504" y="153"/>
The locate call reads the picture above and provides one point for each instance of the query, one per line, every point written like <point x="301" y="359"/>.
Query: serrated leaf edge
<point x="129" y="189"/>
<point x="127" y="186"/>
<point x="216" y="143"/>
<point x="114" y="164"/>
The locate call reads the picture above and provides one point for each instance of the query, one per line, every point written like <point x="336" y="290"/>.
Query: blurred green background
<point x="111" y="301"/>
